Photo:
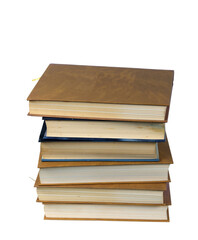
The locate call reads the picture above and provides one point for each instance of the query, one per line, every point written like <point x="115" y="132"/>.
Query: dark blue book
<point x="43" y="135"/>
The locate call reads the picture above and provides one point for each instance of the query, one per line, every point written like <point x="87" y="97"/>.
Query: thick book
<point x="107" y="93"/>
<point x="105" y="174"/>
<point x="53" y="194"/>
<point x="62" y="151"/>
<point x="89" y="130"/>
<point x="165" y="157"/>
<point x="157" y="186"/>
<point x="105" y="212"/>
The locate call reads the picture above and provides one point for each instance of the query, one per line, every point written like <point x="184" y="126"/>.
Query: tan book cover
<point x="110" y="85"/>
<point x="74" y="83"/>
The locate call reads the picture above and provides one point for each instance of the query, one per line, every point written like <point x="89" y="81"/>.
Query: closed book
<point x="106" y="212"/>
<point x="105" y="174"/>
<point x="103" y="93"/>
<point x="157" y="186"/>
<point x="122" y="151"/>
<point x="89" y="130"/>
<point x="52" y="194"/>
<point x="165" y="157"/>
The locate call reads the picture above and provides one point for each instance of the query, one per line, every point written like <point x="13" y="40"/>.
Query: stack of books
<point x="104" y="151"/>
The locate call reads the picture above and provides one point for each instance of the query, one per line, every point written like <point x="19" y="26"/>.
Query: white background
<point x="142" y="34"/>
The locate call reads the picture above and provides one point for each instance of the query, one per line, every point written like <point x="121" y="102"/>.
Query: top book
<point x="102" y="93"/>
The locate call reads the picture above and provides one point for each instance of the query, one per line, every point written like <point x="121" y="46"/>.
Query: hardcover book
<point x="83" y="130"/>
<point x="53" y="194"/>
<point x="157" y="186"/>
<point x="63" y="151"/>
<point x="165" y="157"/>
<point x="105" y="212"/>
<point x="102" y="93"/>
<point x="105" y="174"/>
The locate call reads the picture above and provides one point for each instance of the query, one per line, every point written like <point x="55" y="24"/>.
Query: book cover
<point x="104" y="85"/>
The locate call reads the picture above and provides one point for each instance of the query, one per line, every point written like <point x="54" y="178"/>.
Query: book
<point x="105" y="212"/>
<point x="157" y="186"/>
<point x="165" y="157"/>
<point x="102" y="93"/>
<point x="61" y="151"/>
<point x="88" y="130"/>
<point x="105" y="174"/>
<point x="52" y="194"/>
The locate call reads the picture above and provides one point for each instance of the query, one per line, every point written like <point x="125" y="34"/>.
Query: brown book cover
<point x="164" y="156"/>
<point x="91" y="84"/>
